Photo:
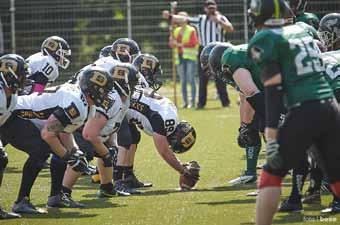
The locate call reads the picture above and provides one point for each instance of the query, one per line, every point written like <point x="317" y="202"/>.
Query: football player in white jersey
<point x="13" y="71"/>
<point x="125" y="50"/>
<point x="157" y="116"/>
<point x="97" y="135"/>
<point x="48" y="120"/>
<point x="55" y="52"/>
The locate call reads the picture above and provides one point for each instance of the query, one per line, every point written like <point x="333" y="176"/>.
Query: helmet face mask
<point x="148" y="65"/>
<point x="329" y="31"/>
<point x="125" y="77"/>
<point x="215" y="57"/>
<point x="57" y="48"/>
<point x="125" y="49"/>
<point x="13" y="71"/>
<point x="183" y="138"/>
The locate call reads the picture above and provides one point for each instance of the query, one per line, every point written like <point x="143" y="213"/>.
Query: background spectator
<point x="185" y="41"/>
<point x="211" y="27"/>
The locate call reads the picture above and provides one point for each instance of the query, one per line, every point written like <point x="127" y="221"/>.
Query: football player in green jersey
<point x="298" y="7"/>
<point x="232" y="65"/>
<point x="292" y="72"/>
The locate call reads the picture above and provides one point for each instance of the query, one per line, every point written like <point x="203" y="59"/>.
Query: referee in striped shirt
<point x="211" y="27"/>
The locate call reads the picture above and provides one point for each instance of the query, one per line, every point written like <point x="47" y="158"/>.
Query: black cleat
<point x="25" y="206"/>
<point x="333" y="208"/>
<point x="8" y="215"/>
<point x="287" y="206"/>
<point x="106" y="194"/>
<point x="133" y="182"/>
<point x="312" y="197"/>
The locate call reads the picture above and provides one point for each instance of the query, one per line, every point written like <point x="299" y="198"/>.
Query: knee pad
<point x="3" y="159"/>
<point x="269" y="180"/>
<point x="336" y="188"/>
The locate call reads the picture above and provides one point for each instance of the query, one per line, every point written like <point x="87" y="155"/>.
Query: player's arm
<point x="40" y="81"/>
<point x="254" y="97"/>
<point x="91" y="132"/>
<point x="67" y="140"/>
<point x="162" y="146"/>
<point x="272" y="81"/>
<point x="50" y="134"/>
<point x="174" y="18"/>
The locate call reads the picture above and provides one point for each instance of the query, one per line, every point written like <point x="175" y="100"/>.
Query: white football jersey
<point x="152" y="113"/>
<point x="6" y="108"/>
<point x="331" y="61"/>
<point x="106" y="62"/>
<point x="45" y="64"/>
<point x="38" y="107"/>
<point x="114" y="115"/>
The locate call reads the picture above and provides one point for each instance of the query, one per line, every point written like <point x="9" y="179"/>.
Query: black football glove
<point x="77" y="161"/>
<point x="248" y="136"/>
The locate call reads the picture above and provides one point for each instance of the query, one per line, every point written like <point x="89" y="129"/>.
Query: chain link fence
<point x="89" y="25"/>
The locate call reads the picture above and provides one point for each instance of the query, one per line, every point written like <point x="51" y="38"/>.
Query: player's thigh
<point x="124" y="136"/>
<point x="328" y="146"/>
<point x="85" y="146"/>
<point x="25" y="136"/>
<point x="295" y="137"/>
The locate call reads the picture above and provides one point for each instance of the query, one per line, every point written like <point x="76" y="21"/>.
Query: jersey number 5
<point x="307" y="59"/>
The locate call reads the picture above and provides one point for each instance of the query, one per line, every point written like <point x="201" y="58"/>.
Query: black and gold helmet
<point x="125" y="50"/>
<point x="148" y="65"/>
<point x="59" y="49"/>
<point x="183" y="138"/>
<point x="125" y="78"/>
<point x="13" y="71"/>
<point x="97" y="83"/>
<point x="106" y="51"/>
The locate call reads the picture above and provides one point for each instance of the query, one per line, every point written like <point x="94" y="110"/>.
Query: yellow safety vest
<point x="188" y="53"/>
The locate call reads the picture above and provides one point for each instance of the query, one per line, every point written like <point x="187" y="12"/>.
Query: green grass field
<point x="213" y="202"/>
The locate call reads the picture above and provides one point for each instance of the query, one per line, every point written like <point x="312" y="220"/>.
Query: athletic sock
<point x="298" y="177"/>
<point x="252" y="154"/>
<point x="57" y="169"/>
<point x="30" y="172"/>
<point x="316" y="176"/>
<point x="128" y="171"/>
<point x="66" y="190"/>
<point x="118" y="172"/>
<point x="106" y="187"/>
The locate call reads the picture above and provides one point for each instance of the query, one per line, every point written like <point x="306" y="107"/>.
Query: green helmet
<point x="215" y="57"/>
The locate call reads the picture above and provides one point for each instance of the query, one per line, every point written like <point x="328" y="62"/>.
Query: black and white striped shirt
<point x="208" y="30"/>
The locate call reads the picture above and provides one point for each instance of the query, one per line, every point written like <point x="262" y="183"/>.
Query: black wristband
<point x="273" y="104"/>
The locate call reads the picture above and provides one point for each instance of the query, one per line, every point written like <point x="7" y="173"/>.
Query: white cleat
<point x="243" y="179"/>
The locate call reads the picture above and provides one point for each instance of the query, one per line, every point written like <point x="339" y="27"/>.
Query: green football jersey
<point x="332" y="64"/>
<point x="236" y="57"/>
<point x="301" y="67"/>
<point x="309" y="18"/>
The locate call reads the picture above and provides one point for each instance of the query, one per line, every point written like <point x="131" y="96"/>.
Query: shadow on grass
<point x="94" y="203"/>
<point x="213" y="189"/>
<point x="10" y="169"/>
<point x="288" y="218"/>
<point x="56" y="214"/>
<point x="230" y="202"/>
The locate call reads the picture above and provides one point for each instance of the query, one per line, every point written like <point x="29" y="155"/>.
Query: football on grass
<point x="186" y="183"/>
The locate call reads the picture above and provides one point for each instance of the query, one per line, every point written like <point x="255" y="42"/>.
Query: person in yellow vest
<point x="185" y="41"/>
